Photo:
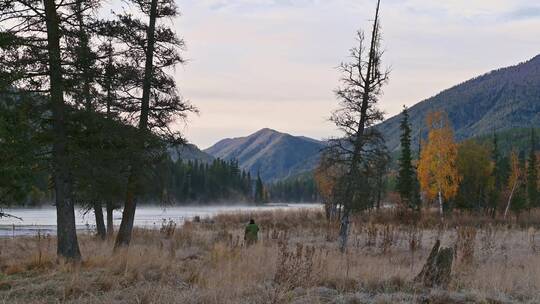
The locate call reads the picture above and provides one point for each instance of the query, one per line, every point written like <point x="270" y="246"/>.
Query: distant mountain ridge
<point x="502" y="99"/>
<point x="273" y="154"/>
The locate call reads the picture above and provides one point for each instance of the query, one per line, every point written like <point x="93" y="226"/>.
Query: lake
<point x="43" y="220"/>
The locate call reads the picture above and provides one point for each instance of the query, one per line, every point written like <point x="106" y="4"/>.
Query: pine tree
<point x="407" y="180"/>
<point x="532" y="174"/>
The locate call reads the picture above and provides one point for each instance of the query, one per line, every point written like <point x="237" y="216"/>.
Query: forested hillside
<point x="499" y="100"/>
<point x="514" y="139"/>
<point x="301" y="188"/>
<point x="189" y="152"/>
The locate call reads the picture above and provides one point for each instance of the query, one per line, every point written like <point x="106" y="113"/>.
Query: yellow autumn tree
<point x="325" y="184"/>
<point x="437" y="170"/>
<point x="326" y="178"/>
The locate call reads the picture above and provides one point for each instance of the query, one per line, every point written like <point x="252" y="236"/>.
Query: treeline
<point x="486" y="174"/>
<point x="294" y="190"/>
<point x="195" y="181"/>
<point x="476" y="176"/>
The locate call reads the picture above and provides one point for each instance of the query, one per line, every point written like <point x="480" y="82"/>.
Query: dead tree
<point x="361" y="144"/>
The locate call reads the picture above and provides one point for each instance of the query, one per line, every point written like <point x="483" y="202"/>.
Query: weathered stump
<point x="438" y="268"/>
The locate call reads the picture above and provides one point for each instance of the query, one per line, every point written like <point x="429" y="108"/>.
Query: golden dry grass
<point x="296" y="261"/>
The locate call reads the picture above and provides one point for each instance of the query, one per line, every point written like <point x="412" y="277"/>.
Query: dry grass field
<point x="295" y="261"/>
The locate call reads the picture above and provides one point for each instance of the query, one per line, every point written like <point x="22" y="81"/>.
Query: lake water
<point x="43" y="220"/>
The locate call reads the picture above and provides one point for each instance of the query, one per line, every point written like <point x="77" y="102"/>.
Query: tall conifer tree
<point x="532" y="174"/>
<point x="407" y="180"/>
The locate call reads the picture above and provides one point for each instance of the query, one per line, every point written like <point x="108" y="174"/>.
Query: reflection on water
<point x="44" y="220"/>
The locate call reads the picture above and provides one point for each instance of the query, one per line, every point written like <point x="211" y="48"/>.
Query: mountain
<point x="189" y="152"/>
<point x="274" y="154"/>
<point x="500" y="100"/>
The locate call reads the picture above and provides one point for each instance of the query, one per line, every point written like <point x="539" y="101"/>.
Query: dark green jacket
<point x="251" y="233"/>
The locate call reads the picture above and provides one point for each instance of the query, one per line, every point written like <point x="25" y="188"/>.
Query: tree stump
<point x="438" y="268"/>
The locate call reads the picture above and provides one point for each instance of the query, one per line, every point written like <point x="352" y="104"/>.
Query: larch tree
<point x="82" y="78"/>
<point x="437" y="170"/>
<point x="150" y="97"/>
<point x="33" y="63"/>
<point x="114" y="146"/>
<point x="357" y="151"/>
<point x="99" y="136"/>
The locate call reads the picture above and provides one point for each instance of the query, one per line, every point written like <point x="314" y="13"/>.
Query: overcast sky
<point x="271" y="63"/>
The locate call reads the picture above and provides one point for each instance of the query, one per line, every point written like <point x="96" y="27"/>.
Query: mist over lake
<point x="43" y="220"/>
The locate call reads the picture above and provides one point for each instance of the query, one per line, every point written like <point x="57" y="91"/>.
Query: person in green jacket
<point x="251" y="234"/>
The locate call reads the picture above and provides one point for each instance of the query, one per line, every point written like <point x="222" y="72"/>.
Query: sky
<point x="272" y="63"/>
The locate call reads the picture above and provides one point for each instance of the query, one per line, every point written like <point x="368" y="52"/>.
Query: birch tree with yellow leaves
<point x="437" y="171"/>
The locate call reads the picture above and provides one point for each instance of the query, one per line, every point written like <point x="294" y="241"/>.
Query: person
<point x="251" y="234"/>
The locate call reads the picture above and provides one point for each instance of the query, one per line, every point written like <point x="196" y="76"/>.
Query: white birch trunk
<point x="441" y="210"/>
<point x="510" y="199"/>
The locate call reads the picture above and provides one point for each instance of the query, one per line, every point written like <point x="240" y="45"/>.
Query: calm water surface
<point x="43" y="220"/>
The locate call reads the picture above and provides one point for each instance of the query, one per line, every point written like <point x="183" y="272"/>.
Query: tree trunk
<point x="100" y="223"/>
<point x="128" y="215"/>
<point x="344" y="231"/>
<point x="510" y="199"/>
<point x="441" y="209"/>
<point x="126" y="226"/>
<point x="67" y="245"/>
<point x="110" y="219"/>
<point x="379" y="195"/>
<point x="358" y="144"/>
